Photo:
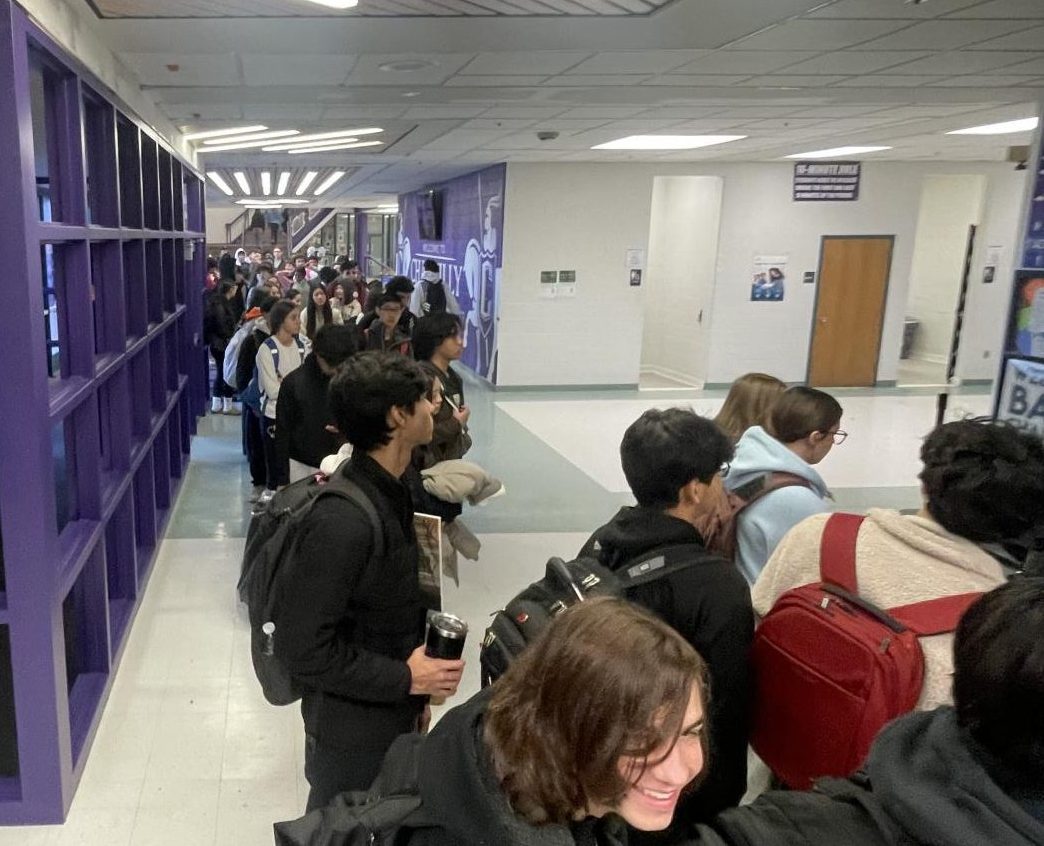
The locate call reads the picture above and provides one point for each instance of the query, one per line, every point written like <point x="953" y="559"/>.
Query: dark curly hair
<point x="983" y="480"/>
<point x="366" y="388"/>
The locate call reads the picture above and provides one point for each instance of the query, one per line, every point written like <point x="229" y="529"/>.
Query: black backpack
<point x="374" y="817"/>
<point x="269" y="558"/>
<point x="564" y="584"/>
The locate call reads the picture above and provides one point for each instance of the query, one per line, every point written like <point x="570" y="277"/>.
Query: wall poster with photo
<point x="429" y="559"/>
<point x="768" y="280"/>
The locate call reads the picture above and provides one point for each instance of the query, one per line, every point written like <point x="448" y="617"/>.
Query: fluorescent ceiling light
<point x="260" y="202"/>
<point x="1021" y="125"/>
<point x="328" y="147"/>
<point x="239" y="145"/>
<point x="324" y="136"/>
<point x="837" y="152"/>
<point x="307" y="180"/>
<point x="266" y="183"/>
<point x="667" y="142"/>
<point x="241" y="180"/>
<point x="336" y="4"/>
<point x="221" y="133"/>
<point x="253" y="136"/>
<point x="299" y="145"/>
<point x="284" y="181"/>
<point x="219" y="180"/>
<point x="329" y="182"/>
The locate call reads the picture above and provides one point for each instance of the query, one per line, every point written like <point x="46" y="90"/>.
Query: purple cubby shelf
<point x="97" y="413"/>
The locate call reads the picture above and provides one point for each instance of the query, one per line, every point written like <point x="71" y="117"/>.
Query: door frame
<point x="819" y="288"/>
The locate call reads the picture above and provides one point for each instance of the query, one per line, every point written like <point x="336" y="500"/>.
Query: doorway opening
<point x="951" y="208"/>
<point x="681" y="269"/>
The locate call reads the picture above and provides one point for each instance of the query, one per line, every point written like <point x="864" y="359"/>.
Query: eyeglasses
<point x="723" y="471"/>
<point x="839" y="436"/>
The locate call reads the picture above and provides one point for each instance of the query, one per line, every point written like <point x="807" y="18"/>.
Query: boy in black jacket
<point x="674" y="460"/>
<point x="351" y="629"/>
<point x="302" y="439"/>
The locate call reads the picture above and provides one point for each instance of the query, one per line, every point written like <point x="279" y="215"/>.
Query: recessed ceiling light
<point x="667" y="142"/>
<point x="407" y="65"/>
<point x="411" y="94"/>
<point x="284" y="181"/>
<point x="329" y="147"/>
<point x="241" y="180"/>
<point x="266" y="183"/>
<point x="220" y="133"/>
<point x="837" y="152"/>
<point x="306" y="180"/>
<point x="219" y="180"/>
<point x="1005" y="128"/>
<point x="253" y="136"/>
<point x="328" y="183"/>
<point x="336" y="4"/>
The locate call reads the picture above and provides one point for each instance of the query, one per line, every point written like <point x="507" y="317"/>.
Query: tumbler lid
<point x="449" y="625"/>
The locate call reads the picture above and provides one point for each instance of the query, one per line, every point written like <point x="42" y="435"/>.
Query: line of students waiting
<point x="582" y="752"/>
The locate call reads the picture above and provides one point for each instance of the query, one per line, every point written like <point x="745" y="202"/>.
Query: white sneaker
<point x="229" y="407"/>
<point x="255" y="493"/>
<point x="215" y="405"/>
<point x="265" y="497"/>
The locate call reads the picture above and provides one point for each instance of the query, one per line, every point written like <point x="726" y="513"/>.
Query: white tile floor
<point x="884" y="434"/>
<point x="189" y="753"/>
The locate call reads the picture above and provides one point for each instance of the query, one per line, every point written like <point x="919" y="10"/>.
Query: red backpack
<point x="832" y="669"/>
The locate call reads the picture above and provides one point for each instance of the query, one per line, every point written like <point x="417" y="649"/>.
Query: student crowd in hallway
<point x="626" y="721"/>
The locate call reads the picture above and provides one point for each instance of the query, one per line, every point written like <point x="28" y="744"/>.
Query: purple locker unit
<point x="96" y="413"/>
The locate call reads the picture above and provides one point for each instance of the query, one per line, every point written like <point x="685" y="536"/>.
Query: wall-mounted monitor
<point x="429" y="216"/>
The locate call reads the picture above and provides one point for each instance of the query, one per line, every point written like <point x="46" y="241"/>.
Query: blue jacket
<point x="761" y="526"/>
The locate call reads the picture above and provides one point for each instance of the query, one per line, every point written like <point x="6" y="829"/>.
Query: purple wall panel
<point x="468" y="250"/>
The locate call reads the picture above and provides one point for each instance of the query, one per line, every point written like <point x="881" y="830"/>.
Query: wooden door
<point x="850" y="304"/>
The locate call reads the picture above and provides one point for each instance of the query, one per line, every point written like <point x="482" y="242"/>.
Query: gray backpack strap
<point x="662" y="562"/>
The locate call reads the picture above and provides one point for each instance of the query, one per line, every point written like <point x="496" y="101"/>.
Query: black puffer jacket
<point x="926" y="783"/>
<point x="219" y="321"/>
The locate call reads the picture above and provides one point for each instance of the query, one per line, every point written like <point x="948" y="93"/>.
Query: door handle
<point x="823" y="320"/>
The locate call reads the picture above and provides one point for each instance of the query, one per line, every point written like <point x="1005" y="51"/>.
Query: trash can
<point x="910" y="328"/>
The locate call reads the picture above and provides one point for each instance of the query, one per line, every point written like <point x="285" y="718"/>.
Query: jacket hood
<point x="459" y="790"/>
<point x="931" y="783"/>
<point x="757" y="453"/>
<point x="635" y="530"/>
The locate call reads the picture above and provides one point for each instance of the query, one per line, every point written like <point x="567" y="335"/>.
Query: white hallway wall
<point x="585" y="216"/>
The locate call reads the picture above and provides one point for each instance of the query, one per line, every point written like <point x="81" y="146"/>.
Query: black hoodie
<point x="926" y="783"/>
<point x="459" y="791"/>
<point x="709" y="605"/>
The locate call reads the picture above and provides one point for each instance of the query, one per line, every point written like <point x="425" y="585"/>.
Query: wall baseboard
<point x="687" y="379"/>
<point x="886" y="383"/>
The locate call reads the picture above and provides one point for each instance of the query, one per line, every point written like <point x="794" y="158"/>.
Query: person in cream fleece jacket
<point x="982" y="482"/>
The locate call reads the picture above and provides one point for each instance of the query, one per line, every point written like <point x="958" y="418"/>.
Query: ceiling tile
<point x="464" y="139"/>
<point x="696" y="80"/>
<point x="788" y="80"/>
<point x="1028" y="39"/>
<point x="276" y="113"/>
<point x="840" y="111"/>
<point x="451" y="110"/>
<point x="636" y="61"/>
<point x="356" y="113"/>
<point x="888" y="9"/>
<point x="983" y="81"/>
<point x="570" y="80"/>
<point x="889" y="81"/>
<point x="1033" y="9"/>
<point x="960" y="61"/>
<point x="943" y="35"/>
<point x="542" y="62"/>
<point x="205" y="69"/>
<point x="205" y="111"/>
<point x="817" y="35"/>
<point x="533" y="112"/>
<point x="504" y="124"/>
<point x="609" y="112"/>
<point x="848" y="62"/>
<point x="267" y="69"/>
<point x="1032" y="66"/>
<point x="746" y="61"/>
<point x="438" y="68"/>
<point x="495" y="81"/>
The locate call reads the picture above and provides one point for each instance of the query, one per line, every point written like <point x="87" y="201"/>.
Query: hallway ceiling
<point x="461" y="88"/>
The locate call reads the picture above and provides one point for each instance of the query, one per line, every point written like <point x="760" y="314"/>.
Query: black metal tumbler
<point x="446" y="635"/>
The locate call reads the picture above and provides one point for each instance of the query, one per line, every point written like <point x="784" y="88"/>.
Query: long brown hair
<point x="605" y="680"/>
<point x="748" y="403"/>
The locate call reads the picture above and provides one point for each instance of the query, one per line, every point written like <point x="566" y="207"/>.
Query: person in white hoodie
<point x="803" y="427"/>
<point x="432" y="295"/>
<point x="982" y="483"/>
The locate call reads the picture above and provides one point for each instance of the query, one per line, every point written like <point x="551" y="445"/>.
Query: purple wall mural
<point x="460" y="225"/>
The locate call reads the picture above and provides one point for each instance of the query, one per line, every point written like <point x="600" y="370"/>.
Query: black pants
<point x="254" y="440"/>
<point x="273" y="229"/>
<point x="331" y="770"/>
<point x="275" y="476"/>
<point x="221" y="389"/>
